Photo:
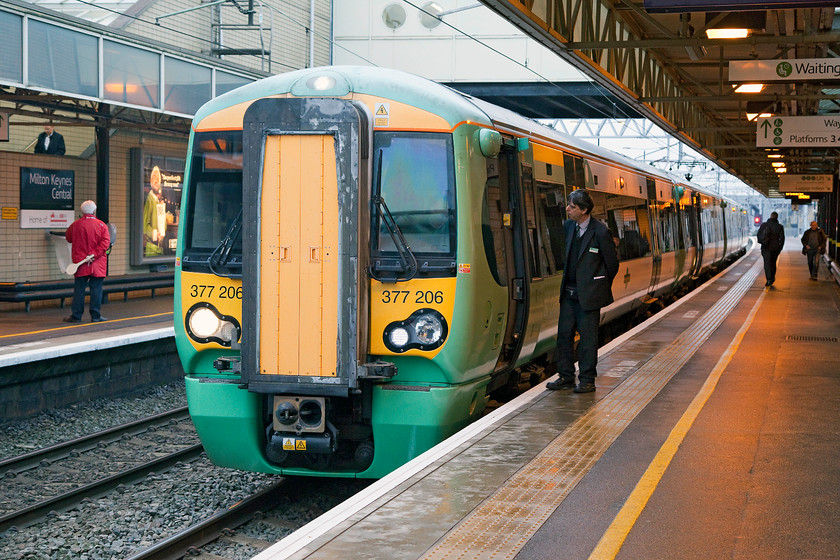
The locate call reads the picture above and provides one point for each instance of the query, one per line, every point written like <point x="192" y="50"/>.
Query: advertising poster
<point x="158" y="182"/>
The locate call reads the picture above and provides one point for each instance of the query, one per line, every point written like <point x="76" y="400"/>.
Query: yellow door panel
<point x="298" y="307"/>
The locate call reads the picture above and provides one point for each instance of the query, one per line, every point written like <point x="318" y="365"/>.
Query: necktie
<point x="577" y="230"/>
<point x="46" y="142"/>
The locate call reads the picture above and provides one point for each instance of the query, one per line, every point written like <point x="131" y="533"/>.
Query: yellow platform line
<point x="77" y="325"/>
<point x="614" y="537"/>
<point x="504" y="522"/>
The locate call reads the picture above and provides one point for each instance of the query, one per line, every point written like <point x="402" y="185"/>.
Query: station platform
<point x="713" y="433"/>
<point x="41" y="334"/>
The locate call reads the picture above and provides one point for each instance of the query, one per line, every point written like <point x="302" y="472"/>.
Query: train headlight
<point x="425" y="329"/>
<point x="428" y="329"/>
<point x="205" y="324"/>
<point x="398" y="337"/>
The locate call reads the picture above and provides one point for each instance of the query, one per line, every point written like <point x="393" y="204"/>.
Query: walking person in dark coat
<point x="50" y="142"/>
<point x="591" y="265"/>
<point x="771" y="236"/>
<point x="90" y="239"/>
<point x="813" y="245"/>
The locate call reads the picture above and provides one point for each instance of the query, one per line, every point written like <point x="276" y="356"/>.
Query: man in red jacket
<point x="90" y="239"/>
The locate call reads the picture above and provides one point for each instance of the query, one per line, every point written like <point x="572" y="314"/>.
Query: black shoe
<point x="585" y="388"/>
<point x="98" y="320"/>
<point x="767" y="284"/>
<point x="560" y="384"/>
<point x="72" y="319"/>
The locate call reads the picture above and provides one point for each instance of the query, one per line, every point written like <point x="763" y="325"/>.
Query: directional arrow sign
<point x="773" y="132"/>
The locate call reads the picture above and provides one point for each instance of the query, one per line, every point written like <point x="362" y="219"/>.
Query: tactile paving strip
<point x="502" y="524"/>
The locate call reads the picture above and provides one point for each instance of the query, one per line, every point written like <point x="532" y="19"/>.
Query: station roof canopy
<point x="79" y="71"/>
<point x="658" y="57"/>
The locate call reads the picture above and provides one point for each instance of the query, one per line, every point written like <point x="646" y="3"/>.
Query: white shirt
<point x="582" y="227"/>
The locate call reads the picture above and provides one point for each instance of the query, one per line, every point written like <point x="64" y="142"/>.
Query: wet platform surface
<point x="41" y="333"/>
<point x="713" y="434"/>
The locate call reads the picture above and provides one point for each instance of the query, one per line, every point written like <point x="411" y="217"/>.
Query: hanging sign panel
<point x="802" y="69"/>
<point x="773" y="132"/>
<point x="789" y="183"/>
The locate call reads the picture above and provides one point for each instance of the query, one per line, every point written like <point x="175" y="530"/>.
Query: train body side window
<point x="552" y="210"/>
<point x="667" y="219"/>
<point x="536" y="265"/>
<point x="492" y="223"/>
<point x="627" y="218"/>
<point x="575" y="172"/>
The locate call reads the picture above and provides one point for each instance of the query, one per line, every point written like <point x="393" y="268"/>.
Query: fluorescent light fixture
<point x="774" y="156"/>
<point x="753" y="116"/>
<point x="727" y="33"/>
<point x="781" y="170"/>
<point x="736" y="24"/>
<point x="777" y="164"/>
<point x="749" y="88"/>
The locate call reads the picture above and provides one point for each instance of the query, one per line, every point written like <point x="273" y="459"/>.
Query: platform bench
<point x="26" y="292"/>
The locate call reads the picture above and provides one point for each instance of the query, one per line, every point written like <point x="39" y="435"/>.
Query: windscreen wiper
<point x="221" y="254"/>
<point x="407" y="259"/>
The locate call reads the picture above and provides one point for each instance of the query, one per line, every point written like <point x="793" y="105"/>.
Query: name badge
<point x="593" y="249"/>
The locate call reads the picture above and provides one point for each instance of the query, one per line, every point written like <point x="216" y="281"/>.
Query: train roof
<point x="453" y="106"/>
<point x="341" y="81"/>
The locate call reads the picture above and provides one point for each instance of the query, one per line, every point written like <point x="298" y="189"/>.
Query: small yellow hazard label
<point x="289" y="443"/>
<point x="381" y="114"/>
<point x="300" y="445"/>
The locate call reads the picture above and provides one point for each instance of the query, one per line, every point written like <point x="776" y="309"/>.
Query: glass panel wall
<point x="226" y="82"/>
<point x="131" y="75"/>
<point x="11" y="61"/>
<point x="63" y="60"/>
<point x="186" y="86"/>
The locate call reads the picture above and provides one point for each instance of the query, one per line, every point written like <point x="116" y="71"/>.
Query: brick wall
<point x="28" y="389"/>
<point x="29" y="254"/>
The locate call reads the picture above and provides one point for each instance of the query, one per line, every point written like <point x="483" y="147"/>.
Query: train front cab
<point x="307" y="397"/>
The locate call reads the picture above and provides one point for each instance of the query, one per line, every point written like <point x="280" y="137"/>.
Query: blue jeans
<point x="79" y="287"/>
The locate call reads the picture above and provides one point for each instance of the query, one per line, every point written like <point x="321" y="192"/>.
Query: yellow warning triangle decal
<point x="382" y="110"/>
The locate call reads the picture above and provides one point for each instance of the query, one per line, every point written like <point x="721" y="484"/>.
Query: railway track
<point x="59" y="477"/>
<point x="226" y="534"/>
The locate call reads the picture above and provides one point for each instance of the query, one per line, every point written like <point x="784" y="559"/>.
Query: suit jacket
<point x="56" y="146"/>
<point x="597" y="264"/>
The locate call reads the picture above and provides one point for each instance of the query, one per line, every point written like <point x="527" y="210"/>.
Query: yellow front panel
<point x="395" y="302"/>
<point x="298" y="265"/>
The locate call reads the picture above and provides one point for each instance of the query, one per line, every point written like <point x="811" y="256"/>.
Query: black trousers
<point x="574" y="319"/>
<point x="770" y="259"/>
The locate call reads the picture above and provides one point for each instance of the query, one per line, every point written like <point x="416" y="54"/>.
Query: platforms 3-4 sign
<point x="778" y="132"/>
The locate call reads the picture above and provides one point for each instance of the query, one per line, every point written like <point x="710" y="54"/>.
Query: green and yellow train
<point x="365" y="255"/>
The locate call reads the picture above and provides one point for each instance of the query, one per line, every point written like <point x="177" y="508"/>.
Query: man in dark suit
<point x="50" y="142"/>
<point x="591" y="265"/>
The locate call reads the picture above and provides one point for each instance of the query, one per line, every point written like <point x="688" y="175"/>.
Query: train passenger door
<point x="515" y="270"/>
<point x="655" y="247"/>
<point x="305" y="175"/>
<point x="696" y="234"/>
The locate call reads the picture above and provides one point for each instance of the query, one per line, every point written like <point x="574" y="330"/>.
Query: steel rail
<point x="60" y="450"/>
<point x="180" y="545"/>
<point x="37" y="512"/>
